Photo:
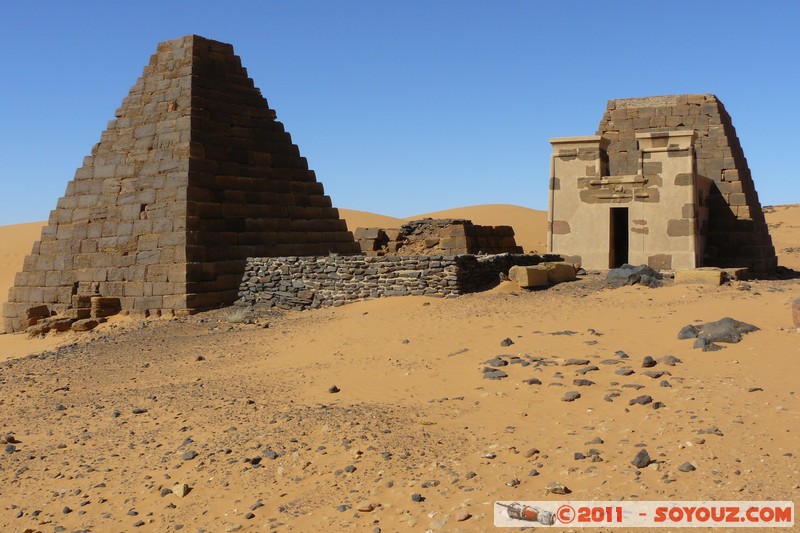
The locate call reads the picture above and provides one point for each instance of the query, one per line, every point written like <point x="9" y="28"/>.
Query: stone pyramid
<point x="194" y="175"/>
<point x="737" y="231"/>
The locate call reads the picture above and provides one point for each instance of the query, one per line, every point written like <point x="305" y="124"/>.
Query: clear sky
<point x="405" y="107"/>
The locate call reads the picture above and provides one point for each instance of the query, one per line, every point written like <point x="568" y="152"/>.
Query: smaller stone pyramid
<point x="194" y="175"/>
<point x="737" y="231"/>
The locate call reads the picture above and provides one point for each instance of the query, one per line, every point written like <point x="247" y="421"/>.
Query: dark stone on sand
<point x="570" y="362"/>
<point x="631" y="275"/>
<point x="642" y="459"/>
<point x="570" y="396"/>
<point x="495" y="374"/>
<point x="641" y="400"/>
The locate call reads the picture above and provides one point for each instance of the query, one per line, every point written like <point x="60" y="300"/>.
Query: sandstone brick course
<point x="194" y="167"/>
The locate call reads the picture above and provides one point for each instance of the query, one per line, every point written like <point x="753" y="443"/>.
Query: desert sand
<point x="113" y="424"/>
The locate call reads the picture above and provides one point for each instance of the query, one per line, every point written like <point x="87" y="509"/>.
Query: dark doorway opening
<point x="619" y="237"/>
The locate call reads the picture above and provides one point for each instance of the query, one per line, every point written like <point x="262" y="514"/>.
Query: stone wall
<point x="314" y="282"/>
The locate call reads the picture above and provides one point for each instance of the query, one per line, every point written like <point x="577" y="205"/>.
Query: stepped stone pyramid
<point x="737" y="233"/>
<point x="194" y="175"/>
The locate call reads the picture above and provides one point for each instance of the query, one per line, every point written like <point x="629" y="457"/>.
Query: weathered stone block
<point x="703" y="276"/>
<point x="558" y="272"/>
<point x="529" y="276"/>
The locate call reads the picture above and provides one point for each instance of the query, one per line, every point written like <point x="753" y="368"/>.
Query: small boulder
<point x="554" y="487"/>
<point x="631" y="275"/>
<point x="642" y="459"/>
<point x="571" y="396"/>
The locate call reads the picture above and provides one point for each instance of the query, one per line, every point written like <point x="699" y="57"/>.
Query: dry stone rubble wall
<point x="314" y="282"/>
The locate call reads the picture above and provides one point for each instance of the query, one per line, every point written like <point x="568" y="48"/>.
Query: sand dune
<point x="784" y="227"/>
<point x="15" y="243"/>
<point x="363" y="219"/>
<point x="113" y="423"/>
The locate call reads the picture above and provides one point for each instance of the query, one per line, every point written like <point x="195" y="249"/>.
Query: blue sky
<point x="405" y="107"/>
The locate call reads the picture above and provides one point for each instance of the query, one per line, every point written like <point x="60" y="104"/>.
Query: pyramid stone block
<point x="192" y="176"/>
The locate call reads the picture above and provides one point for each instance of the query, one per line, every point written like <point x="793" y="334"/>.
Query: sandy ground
<point x="242" y="414"/>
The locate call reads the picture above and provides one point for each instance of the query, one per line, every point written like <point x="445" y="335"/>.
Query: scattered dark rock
<point x="495" y="374"/>
<point x="655" y="374"/>
<point x="533" y="472"/>
<point x="670" y="360"/>
<point x="417" y="497"/>
<point x="724" y="330"/>
<point x="665" y="383"/>
<point x="642" y="459"/>
<point x="587" y="369"/>
<point x="621" y="354"/>
<point x="571" y="396"/>
<point x="705" y="345"/>
<point x="333" y="389"/>
<point x="711" y="430"/>
<point x="60" y="407"/>
<point x="532" y="381"/>
<point x="658" y="405"/>
<point x="188" y="456"/>
<point x="582" y="382"/>
<point x="570" y="362"/>
<point x="688" y="332"/>
<point x="624" y="371"/>
<point x="648" y="362"/>
<point x="531" y="452"/>
<point x="687" y="467"/>
<point x="272" y="454"/>
<point x="631" y="275"/>
<point x="496" y="362"/>
<point x="754" y="389"/>
<point x="506" y="342"/>
<point x="139" y="410"/>
<point x="641" y="400"/>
